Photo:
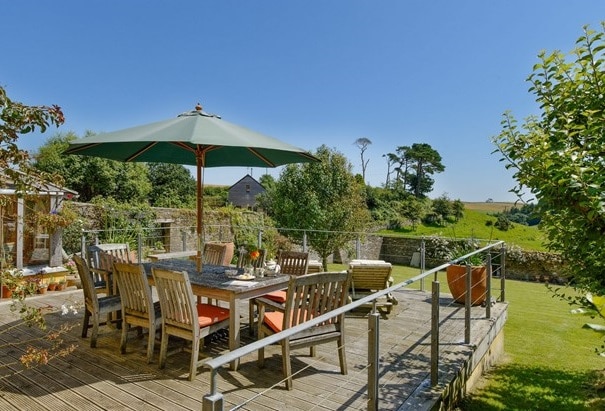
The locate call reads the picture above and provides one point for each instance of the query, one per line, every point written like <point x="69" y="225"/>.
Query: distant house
<point x="244" y="192"/>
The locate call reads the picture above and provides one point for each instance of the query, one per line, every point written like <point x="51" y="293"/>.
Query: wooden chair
<point x="183" y="317"/>
<point x="138" y="308"/>
<point x="308" y="296"/>
<point x="95" y="306"/>
<point x="100" y="261"/>
<point x="244" y="259"/>
<point x="293" y="262"/>
<point x="368" y="277"/>
<point x="290" y="262"/>
<point x="214" y="253"/>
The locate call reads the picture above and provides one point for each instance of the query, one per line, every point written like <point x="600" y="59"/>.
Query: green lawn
<point x="550" y="361"/>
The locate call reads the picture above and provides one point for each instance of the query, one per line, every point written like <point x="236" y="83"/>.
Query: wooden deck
<point x="103" y="379"/>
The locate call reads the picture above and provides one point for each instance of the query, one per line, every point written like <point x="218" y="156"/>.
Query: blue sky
<point x="307" y="72"/>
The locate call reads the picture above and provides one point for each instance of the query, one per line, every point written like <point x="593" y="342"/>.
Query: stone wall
<point x="180" y="226"/>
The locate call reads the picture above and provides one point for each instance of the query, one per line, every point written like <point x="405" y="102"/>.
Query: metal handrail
<point x="215" y="363"/>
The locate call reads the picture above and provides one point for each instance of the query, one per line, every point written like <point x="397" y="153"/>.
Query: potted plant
<point x="457" y="272"/>
<point x="61" y="285"/>
<point x="53" y="284"/>
<point x="42" y="288"/>
<point x="11" y="280"/>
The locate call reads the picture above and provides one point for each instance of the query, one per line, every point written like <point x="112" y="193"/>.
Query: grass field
<point x="475" y="225"/>
<point x="550" y="361"/>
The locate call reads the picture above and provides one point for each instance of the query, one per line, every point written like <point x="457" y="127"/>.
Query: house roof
<point x="41" y="187"/>
<point x="247" y="176"/>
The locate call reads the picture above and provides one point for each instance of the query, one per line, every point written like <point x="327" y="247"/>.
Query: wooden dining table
<point x="214" y="283"/>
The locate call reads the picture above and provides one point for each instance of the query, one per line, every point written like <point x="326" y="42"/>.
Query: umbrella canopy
<point x="192" y="138"/>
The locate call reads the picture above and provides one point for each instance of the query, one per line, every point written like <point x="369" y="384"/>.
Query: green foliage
<point x="320" y="196"/>
<point x="414" y="166"/>
<point x="122" y="222"/>
<point x="92" y="176"/>
<point x="559" y="155"/>
<point x="452" y="249"/>
<point x="172" y="185"/>
<point x="503" y="223"/>
<point x="17" y="119"/>
<point x="473" y="225"/>
<point x="215" y="196"/>
<point x="443" y="208"/>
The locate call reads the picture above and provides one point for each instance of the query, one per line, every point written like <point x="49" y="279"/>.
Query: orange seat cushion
<point x="277" y="296"/>
<point x="209" y="314"/>
<point x="274" y="320"/>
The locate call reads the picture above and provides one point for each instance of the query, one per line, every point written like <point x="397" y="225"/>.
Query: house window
<point x="247" y="188"/>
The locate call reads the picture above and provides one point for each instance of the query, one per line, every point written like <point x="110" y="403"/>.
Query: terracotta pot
<point x="42" y="289"/>
<point x="52" y="286"/>
<point x="61" y="286"/>
<point x="456" y="280"/>
<point x="6" y="292"/>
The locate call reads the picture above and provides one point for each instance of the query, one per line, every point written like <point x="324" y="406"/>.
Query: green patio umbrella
<point x="192" y="138"/>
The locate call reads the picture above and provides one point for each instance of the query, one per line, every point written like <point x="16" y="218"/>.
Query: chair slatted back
<point x="214" y="253"/>
<point x="134" y="289"/>
<point x="101" y="258"/>
<point x="312" y="295"/>
<point x="90" y="295"/>
<point x="244" y="259"/>
<point x="293" y="262"/>
<point x="177" y="301"/>
<point x="119" y="251"/>
<point x="183" y="317"/>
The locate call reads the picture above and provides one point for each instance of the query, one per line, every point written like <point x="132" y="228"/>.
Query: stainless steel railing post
<point x="435" y="334"/>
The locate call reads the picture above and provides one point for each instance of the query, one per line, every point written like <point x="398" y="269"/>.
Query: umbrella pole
<point x="200" y="211"/>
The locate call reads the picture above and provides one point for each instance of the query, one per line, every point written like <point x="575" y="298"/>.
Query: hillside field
<point x="475" y="224"/>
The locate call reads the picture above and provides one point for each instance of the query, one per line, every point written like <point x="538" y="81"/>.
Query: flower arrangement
<point x="254" y="254"/>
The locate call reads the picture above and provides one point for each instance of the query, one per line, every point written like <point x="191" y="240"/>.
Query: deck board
<point x="104" y="379"/>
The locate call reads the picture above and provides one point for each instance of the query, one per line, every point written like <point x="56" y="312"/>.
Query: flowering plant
<point x="254" y="255"/>
<point x="71" y="266"/>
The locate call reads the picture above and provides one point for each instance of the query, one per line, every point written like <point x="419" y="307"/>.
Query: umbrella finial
<point x="198" y="107"/>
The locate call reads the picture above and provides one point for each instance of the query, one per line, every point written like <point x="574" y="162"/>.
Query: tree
<point x="267" y="181"/>
<point x="415" y="166"/>
<point x="320" y="196"/>
<point x="362" y="143"/>
<point x="413" y="211"/>
<point x="458" y="209"/>
<point x="391" y="159"/>
<point x="425" y="161"/>
<point x="401" y="158"/>
<point x="17" y="119"/>
<point x="172" y="185"/>
<point x="559" y="155"/>
<point x="442" y="206"/>
<point x="93" y="176"/>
